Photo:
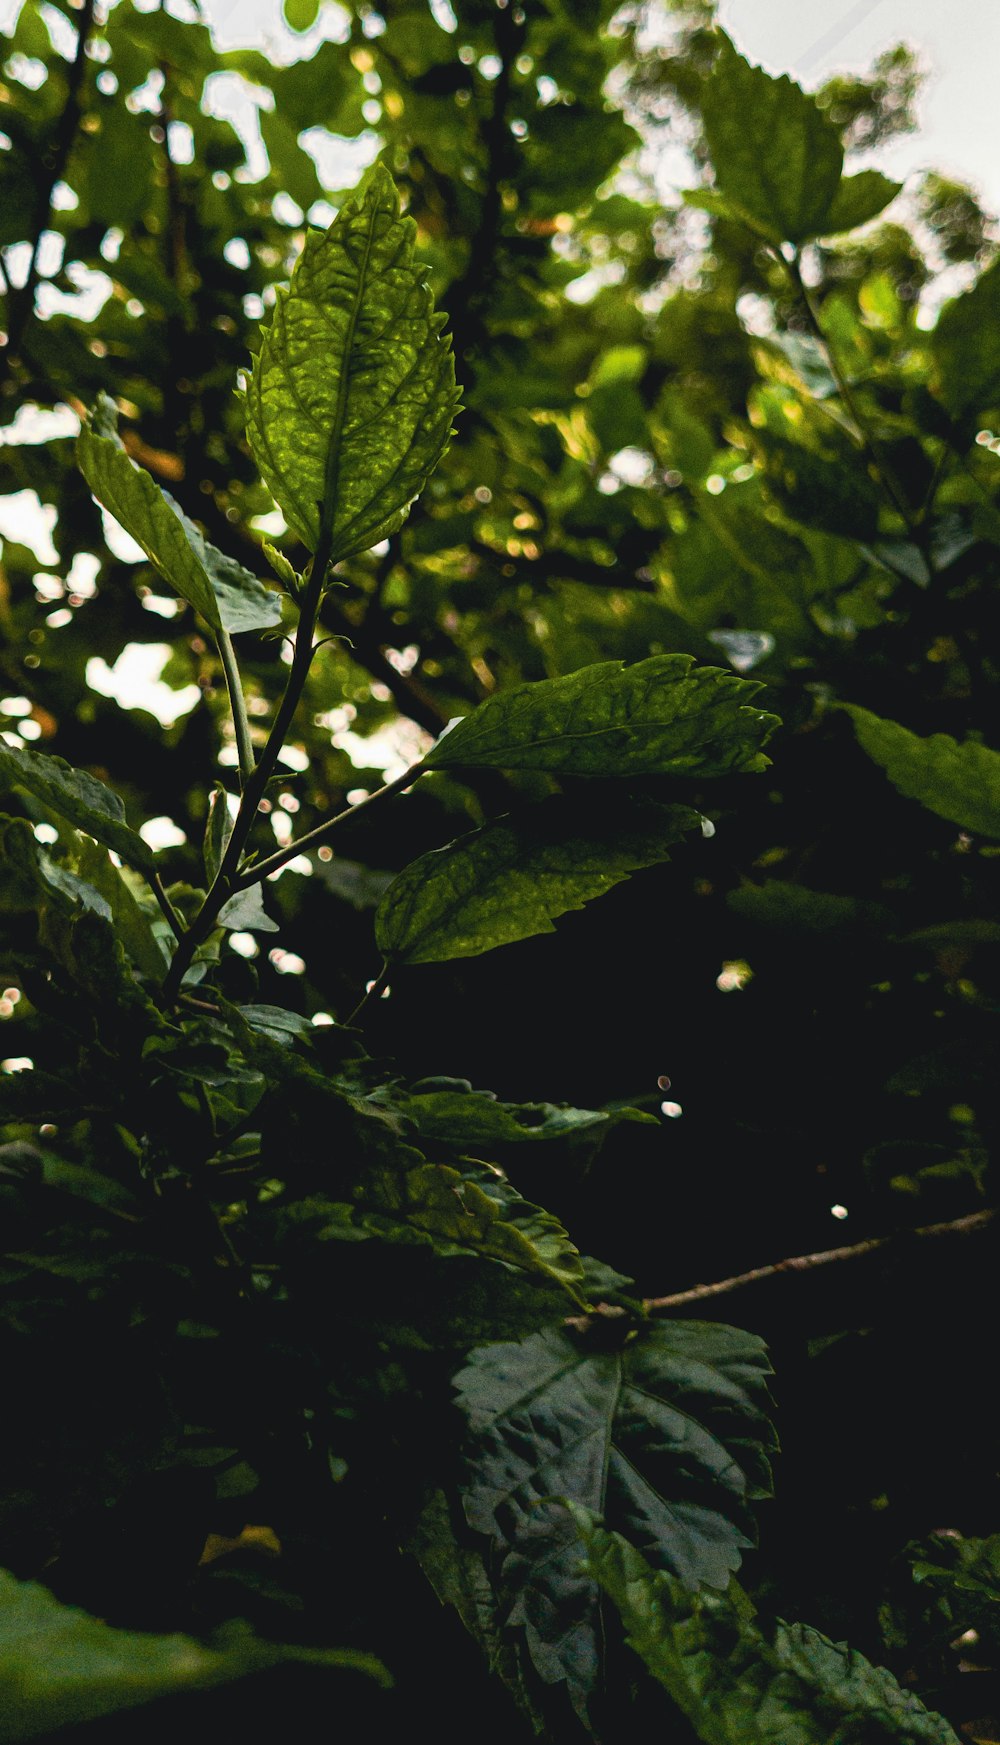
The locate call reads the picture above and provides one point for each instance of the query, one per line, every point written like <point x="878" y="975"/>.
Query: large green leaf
<point x="228" y="596"/>
<point x="666" y="1434"/>
<point x="351" y="398"/>
<point x="776" y="156"/>
<point x="958" y="782"/>
<point x="59" y="1666"/>
<point x="662" y="716"/>
<point x="78" y="797"/>
<point x="510" y="879"/>
<point x="965" y="346"/>
<point x="738" y="1686"/>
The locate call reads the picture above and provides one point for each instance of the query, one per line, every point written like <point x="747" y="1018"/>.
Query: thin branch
<point x="969" y="1225"/>
<point x="375" y="992"/>
<point x="264" y="868"/>
<point x="237" y="704"/>
<point x="21" y="303"/>
<point x="156" y="886"/>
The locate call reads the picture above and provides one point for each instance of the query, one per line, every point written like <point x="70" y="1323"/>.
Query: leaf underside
<point x="667" y="1437"/>
<point x="513" y="877"/>
<point x="351" y="398"/>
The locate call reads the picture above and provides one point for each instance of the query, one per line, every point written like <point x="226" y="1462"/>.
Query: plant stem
<point x="725" y="1287"/>
<point x="237" y="704"/>
<point x="156" y="886"/>
<point x="373" y="993"/>
<point x="863" y="432"/>
<point x="263" y="869"/>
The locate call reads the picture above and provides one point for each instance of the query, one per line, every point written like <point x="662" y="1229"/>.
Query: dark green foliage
<point x="714" y="472"/>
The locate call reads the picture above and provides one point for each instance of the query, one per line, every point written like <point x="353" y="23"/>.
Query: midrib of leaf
<point x="333" y="455"/>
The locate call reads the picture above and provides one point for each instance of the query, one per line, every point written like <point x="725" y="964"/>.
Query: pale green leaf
<point x="132" y="923"/>
<point x="58" y="1666"/>
<point x="662" y="716"/>
<point x="777" y="158"/>
<point x="134" y="498"/>
<point x="965" y="346"/>
<point x="228" y="596"/>
<point x="858" y="200"/>
<point x="218" y="830"/>
<point x="79" y="798"/>
<point x="242" y="600"/>
<point x="245" y="912"/>
<point x="958" y="782"/>
<point x="739" y="1686"/>
<point x="351" y="398"/>
<point x="663" y="1429"/>
<point x="513" y="877"/>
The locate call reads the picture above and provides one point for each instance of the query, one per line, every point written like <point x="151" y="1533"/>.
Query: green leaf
<point x="858" y="200"/>
<point x="131" y="923"/>
<point x="242" y="601"/>
<point x="137" y="502"/>
<point x="738" y="1686"/>
<point x="466" y="1118"/>
<point x="663" y="1429"/>
<point x="300" y="14"/>
<point x="245" y="912"/>
<point x="958" y="782"/>
<point x="965" y="346"/>
<point x="662" y="716"/>
<point x="775" y="154"/>
<point x="510" y="879"/>
<point x="474" y="1210"/>
<point x="228" y="596"/>
<point x="79" y="798"/>
<point x="351" y="398"/>
<point x="58" y="1666"/>
<point x="218" y="830"/>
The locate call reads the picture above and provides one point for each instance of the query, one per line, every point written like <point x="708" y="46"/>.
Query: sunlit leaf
<point x="351" y="398"/>
<point x="227" y="595"/>
<point x="662" y="716"/>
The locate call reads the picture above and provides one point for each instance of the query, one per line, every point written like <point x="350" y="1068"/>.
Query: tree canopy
<point x="491" y="537"/>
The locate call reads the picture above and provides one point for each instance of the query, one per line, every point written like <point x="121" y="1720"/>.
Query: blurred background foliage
<point x="660" y="451"/>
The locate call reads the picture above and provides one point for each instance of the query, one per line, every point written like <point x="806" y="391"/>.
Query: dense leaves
<point x="736" y="1685"/>
<point x="255" y="1220"/>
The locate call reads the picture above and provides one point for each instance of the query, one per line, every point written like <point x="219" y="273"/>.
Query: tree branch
<point x="52" y="163"/>
<point x="799" y="1263"/>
